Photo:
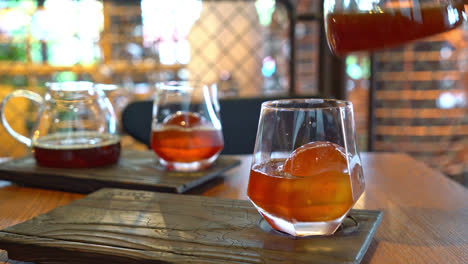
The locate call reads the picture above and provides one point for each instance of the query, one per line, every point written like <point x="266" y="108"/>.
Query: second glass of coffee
<point x="186" y="129"/>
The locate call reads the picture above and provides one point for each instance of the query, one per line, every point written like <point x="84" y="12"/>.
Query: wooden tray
<point x="135" y="170"/>
<point x="125" y="226"/>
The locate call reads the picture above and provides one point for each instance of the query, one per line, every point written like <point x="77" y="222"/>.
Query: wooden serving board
<point x="136" y="170"/>
<point x="125" y="226"/>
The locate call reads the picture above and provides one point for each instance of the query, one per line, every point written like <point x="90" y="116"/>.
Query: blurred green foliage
<point x="13" y="52"/>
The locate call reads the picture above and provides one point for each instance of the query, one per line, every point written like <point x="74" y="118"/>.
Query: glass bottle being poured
<point x="366" y="25"/>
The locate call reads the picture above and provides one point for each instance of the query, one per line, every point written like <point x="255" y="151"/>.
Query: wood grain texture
<point x="18" y="204"/>
<point x="424" y="212"/>
<point x="135" y="170"/>
<point x="125" y="226"/>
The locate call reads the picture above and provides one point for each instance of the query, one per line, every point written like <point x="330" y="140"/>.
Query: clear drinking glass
<point x="355" y="25"/>
<point x="306" y="171"/>
<point x="186" y="130"/>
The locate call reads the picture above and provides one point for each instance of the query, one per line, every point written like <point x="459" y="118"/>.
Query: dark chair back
<point x="239" y="118"/>
<point x="136" y="120"/>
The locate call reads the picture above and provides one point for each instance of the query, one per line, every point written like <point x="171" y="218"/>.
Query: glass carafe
<point x="76" y="126"/>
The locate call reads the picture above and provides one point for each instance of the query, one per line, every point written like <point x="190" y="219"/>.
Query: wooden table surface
<point x="425" y="214"/>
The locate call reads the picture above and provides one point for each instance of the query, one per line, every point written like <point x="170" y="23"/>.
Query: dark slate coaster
<point x="125" y="226"/>
<point x="136" y="170"/>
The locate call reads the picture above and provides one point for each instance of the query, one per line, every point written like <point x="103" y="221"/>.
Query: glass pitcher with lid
<point x="76" y="126"/>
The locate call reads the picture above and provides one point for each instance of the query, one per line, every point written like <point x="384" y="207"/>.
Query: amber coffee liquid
<point x="349" y="32"/>
<point x="77" y="150"/>
<point x="176" y="144"/>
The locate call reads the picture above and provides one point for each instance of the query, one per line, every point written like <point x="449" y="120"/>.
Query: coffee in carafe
<point x="80" y="150"/>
